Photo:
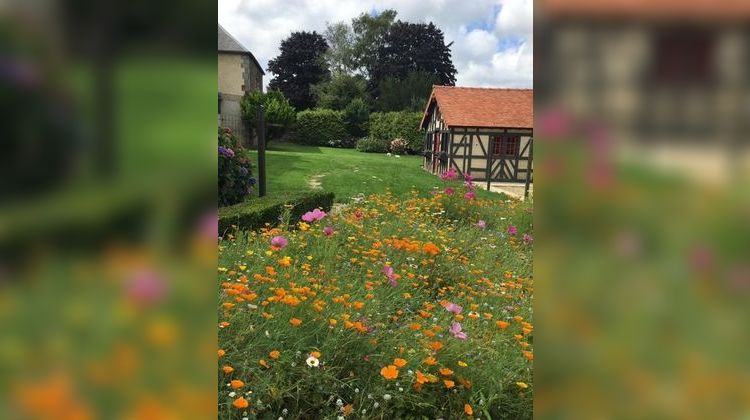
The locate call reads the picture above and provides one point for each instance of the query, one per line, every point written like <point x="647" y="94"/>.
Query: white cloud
<point x="475" y="27"/>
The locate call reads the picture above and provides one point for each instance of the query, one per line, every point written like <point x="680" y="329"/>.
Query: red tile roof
<point x="483" y="107"/>
<point x="699" y="10"/>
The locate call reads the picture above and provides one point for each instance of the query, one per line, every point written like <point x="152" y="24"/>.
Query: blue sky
<point x="493" y="43"/>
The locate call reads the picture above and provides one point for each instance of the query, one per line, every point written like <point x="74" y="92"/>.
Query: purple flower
<point x="314" y="215"/>
<point x="512" y="230"/>
<point x="452" y="307"/>
<point x="328" y="231"/>
<point x="457" y="332"/>
<point x="450" y="191"/>
<point x="393" y="282"/>
<point x="279" y="242"/>
<point x="528" y="238"/>
<point x="468" y="178"/>
<point x="226" y="152"/>
<point x="482" y="224"/>
<point x="470" y="195"/>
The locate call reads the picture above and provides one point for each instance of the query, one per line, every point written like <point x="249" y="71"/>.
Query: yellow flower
<point x="462" y="363"/>
<point x="522" y="385"/>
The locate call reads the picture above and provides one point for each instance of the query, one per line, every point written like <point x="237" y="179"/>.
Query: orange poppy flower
<point x="502" y="324"/>
<point x="389" y="372"/>
<point x="295" y="322"/>
<point x="446" y="372"/>
<point x="236" y="383"/>
<point x="448" y="383"/>
<point x="240" y="403"/>
<point x="468" y="410"/>
<point x="274" y="354"/>
<point x="430" y="361"/>
<point x="415" y="326"/>
<point x="529" y="355"/>
<point x="227" y="369"/>
<point x="221" y="353"/>
<point x="436" y="345"/>
<point x="263" y="363"/>
<point x="399" y="362"/>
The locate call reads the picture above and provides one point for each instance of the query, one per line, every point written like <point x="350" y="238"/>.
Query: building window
<point x="684" y="56"/>
<point x="505" y="145"/>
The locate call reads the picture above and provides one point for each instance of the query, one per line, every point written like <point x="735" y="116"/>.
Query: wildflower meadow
<point x="412" y="306"/>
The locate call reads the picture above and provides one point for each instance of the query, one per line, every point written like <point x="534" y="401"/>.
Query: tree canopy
<point x="299" y="66"/>
<point x="413" y="47"/>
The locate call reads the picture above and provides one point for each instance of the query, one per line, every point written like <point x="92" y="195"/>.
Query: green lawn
<point x="346" y="172"/>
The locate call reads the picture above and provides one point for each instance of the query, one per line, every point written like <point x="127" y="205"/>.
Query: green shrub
<point x="370" y="145"/>
<point x="279" y="113"/>
<point x="357" y="117"/>
<point x="387" y="126"/>
<point x="319" y="127"/>
<point x="254" y="214"/>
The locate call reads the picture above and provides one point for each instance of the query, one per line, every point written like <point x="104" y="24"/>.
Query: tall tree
<point x="407" y="94"/>
<point x="341" y="89"/>
<point x="300" y="65"/>
<point x="412" y="47"/>
<point x="340" y="54"/>
<point x="369" y="36"/>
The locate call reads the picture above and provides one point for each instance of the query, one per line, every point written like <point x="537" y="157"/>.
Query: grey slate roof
<point x="228" y="43"/>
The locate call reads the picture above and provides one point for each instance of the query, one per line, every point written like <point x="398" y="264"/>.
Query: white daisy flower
<point x="312" y="361"/>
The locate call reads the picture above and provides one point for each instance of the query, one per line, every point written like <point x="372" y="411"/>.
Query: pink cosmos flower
<point x="328" y="231"/>
<point x="388" y="271"/>
<point x="449" y="191"/>
<point x="279" y="242"/>
<point x="452" y="307"/>
<point x="146" y="287"/>
<point x="470" y="195"/>
<point x="481" y="224"/>
<point x="528" y="238"/>
<point x="512" y="230"/>
<point x="314" y="215"/>
<point x="450" y="174"/>
<point x="457" y="332"/>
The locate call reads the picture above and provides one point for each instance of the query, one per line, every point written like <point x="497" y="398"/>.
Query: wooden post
<point x="261" y="131"/>
<point x="528" y="168"/>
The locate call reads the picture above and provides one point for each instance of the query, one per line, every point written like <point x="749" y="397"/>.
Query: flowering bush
<point x="399" y="146"/>
<point x="235" y="176"/>
<point x="389" y="308"/>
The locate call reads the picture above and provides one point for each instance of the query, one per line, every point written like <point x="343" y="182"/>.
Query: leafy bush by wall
<point x="279" y="113"/>
<point x="235" y="174"/>
<point x="319" y="127"/>
<point x="387" y="126"/>
<point x="254" y="214"/>
<point x="370" y="145"/>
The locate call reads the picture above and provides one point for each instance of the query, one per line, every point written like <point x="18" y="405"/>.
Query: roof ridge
<point x="481" y="88"/>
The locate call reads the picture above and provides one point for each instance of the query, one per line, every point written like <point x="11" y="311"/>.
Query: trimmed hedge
<point x="319" y="127"/>
<point x="386" y="126"/>
<point x="369" y="145"/>
<point x="255" y="213"/>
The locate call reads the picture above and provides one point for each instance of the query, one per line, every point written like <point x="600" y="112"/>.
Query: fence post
<point x="260" y="128"/>
<point x="528" y="168"/>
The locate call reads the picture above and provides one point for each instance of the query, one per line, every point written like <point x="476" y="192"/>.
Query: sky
<point x="493" y="41"/>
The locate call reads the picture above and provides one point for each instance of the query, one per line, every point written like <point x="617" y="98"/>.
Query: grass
<point x="346" y="172"/>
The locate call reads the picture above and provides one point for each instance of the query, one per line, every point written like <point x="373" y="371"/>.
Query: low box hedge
<point x="256" y="212"/>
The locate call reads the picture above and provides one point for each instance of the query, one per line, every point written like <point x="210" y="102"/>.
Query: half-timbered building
<point x="484" y="132"/>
